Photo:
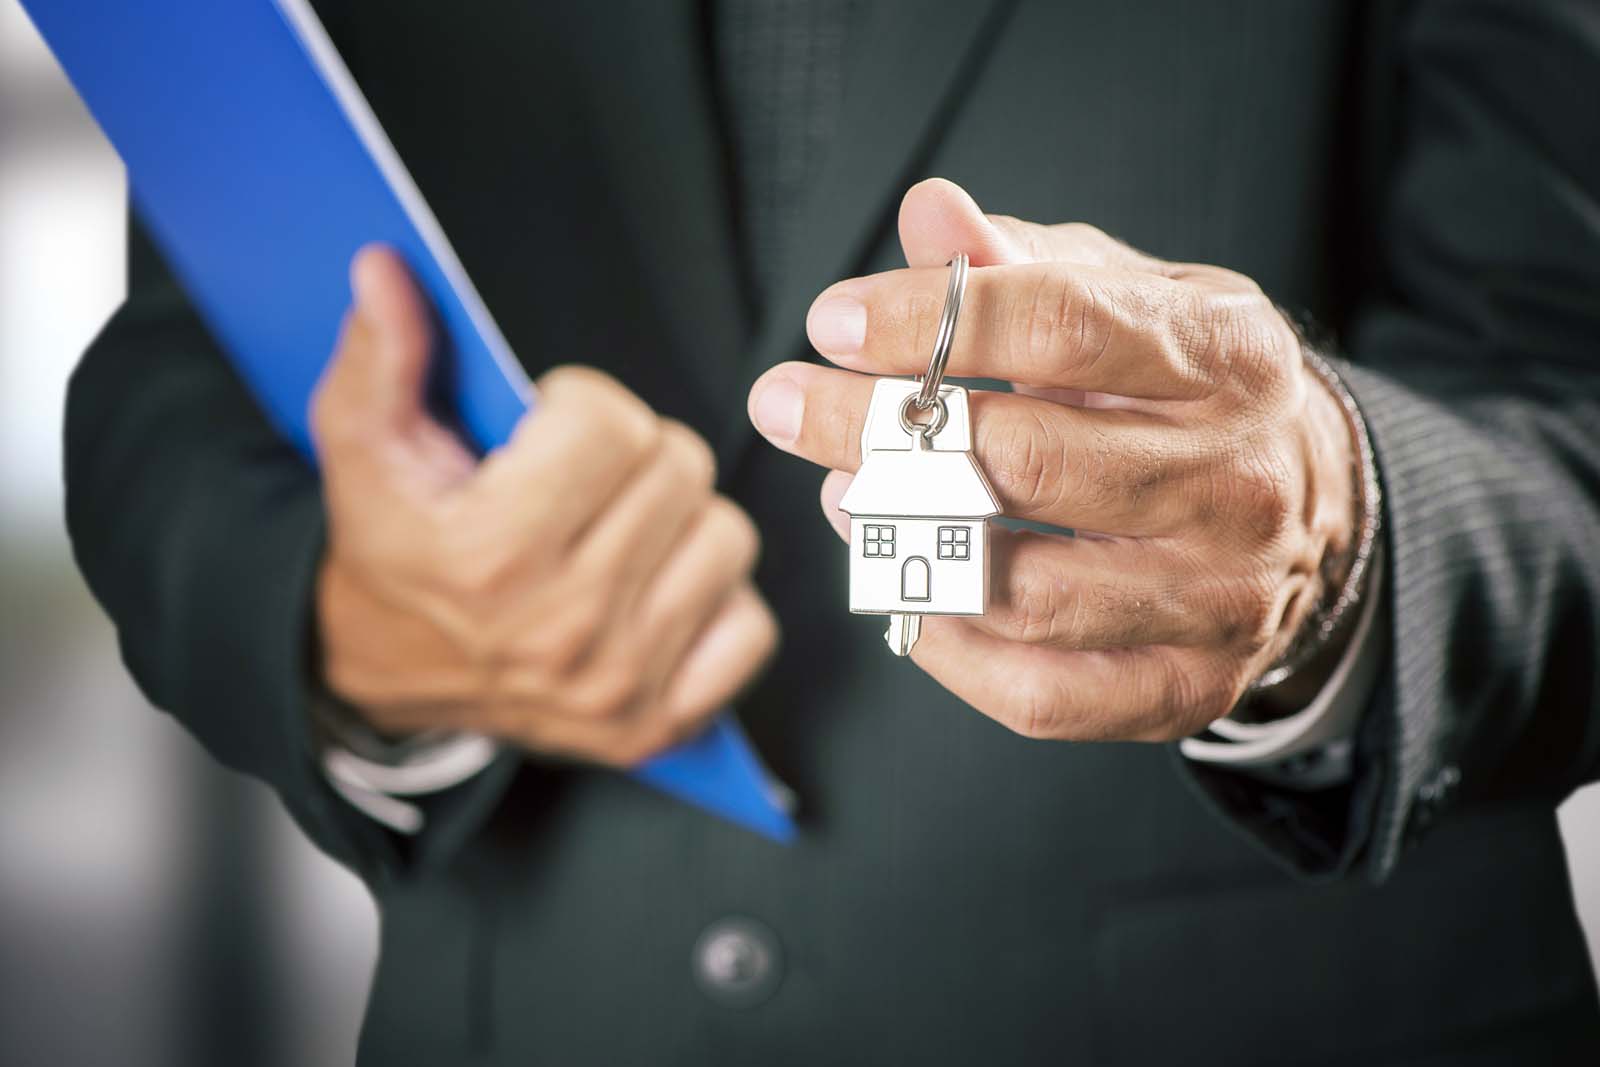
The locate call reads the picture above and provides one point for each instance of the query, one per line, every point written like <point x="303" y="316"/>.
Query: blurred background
<point x="151" y="903"/>
<point x="155" y="909"/>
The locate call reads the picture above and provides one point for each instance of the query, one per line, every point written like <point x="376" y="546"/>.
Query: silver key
<point x="920" y="505"/>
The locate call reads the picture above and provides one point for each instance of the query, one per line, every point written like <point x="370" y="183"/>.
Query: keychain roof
<point x="895" y="473"/>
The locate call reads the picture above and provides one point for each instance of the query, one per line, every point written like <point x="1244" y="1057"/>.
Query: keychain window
<point x="879" y="541"/>
<point x="954" y="542"/>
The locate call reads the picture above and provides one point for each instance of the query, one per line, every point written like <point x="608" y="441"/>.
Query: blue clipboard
<point x="260" y="169"/>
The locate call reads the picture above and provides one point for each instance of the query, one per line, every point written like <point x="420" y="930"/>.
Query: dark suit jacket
<point x="1423" y="177"/>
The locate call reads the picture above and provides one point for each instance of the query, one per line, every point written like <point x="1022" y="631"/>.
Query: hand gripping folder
<point x="260" y="170"/>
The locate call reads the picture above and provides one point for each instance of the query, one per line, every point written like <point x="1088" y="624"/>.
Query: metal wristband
<point x="1325" y="621"/>
<point x="338" y="724"/>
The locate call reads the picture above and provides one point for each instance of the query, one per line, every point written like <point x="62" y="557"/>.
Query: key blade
<point x="901" y="637"/>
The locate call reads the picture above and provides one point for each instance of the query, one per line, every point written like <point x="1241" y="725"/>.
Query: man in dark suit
<point x="662" y="193"/>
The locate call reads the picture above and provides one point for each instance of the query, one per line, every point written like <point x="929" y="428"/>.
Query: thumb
<point x="390" y="338"/>
<point x="938" y="219"/>
<point x="371" y="401"/>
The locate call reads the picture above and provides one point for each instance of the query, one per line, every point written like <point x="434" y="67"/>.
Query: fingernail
<point x="777" y="410"/>
<point x="364" y="272"/>
<point x="837" y="325"/>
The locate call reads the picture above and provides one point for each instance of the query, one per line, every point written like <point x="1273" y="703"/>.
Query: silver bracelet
<point x="1319" y="629"/>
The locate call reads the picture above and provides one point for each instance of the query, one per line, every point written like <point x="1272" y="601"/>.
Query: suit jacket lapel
<point x="649" y="87"/>
<point x="907" y="71"/>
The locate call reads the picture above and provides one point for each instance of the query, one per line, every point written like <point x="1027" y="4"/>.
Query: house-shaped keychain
<point x="919" y="510"/>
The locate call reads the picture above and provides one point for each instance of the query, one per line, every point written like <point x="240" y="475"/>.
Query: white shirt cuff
<point x="376" y="788"/>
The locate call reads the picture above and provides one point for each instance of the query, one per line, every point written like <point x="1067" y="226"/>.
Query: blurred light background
<point x="155" y="909"/>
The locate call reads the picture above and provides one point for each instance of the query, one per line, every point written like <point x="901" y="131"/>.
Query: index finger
<point x="1113" y="472"/>
<point x="1061" y="325"/>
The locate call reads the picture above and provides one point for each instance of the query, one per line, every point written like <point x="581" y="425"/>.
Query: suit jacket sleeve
<point x="199" y="531"/>
<point x="1476" y="362"/>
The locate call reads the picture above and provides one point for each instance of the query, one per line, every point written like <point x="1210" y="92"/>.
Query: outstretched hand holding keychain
<point x="1165" y="410"/>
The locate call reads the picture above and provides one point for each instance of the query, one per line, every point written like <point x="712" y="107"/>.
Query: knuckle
<point x="1265" y="341"/>
<point x="1234" y="342"/>
<point x="1129" y="471"/>
<point x="684" y="709"/>
<point x="734" y="530"/>
<point x="761" y="626"/>
<point x="567" y="640"/>
<point x="1116" y="615"/>
<point x="604" y="695"/>
<point x="1217" y="699"/>
<point x="628" y="659"/>
<point x="416" y="549"/>
<point x="690" y="455"/>
<point x="1035" y="710"/>
<point x="1038" y="618"/>
<point x="1027" y="454"/>
<point x="1190" y="698"/>
<point x="1177" y="699"/>
<point x="1280" y="344"/>
<point x="1241" y="282"/>
<point x="1042" y="609"/>
<point x="487" y="654"/>
<point x="1249" y="614"/>
<point x="1208" y="497"/>
<point x="1205" y="330"/>
<point x="630" y="427"/>
<point x="1264" y="498"/>
<point x="470" y="561"/>
<point x="474" y="572"/>
<point x="1065" y="326"/>
<point x="574" y="380"/>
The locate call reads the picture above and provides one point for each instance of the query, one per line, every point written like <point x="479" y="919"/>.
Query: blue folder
<point x="260" y="170"/>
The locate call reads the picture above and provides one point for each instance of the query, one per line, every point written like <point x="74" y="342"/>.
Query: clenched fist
<point x="1162" y="410"/>
<point x="582" y="591"/>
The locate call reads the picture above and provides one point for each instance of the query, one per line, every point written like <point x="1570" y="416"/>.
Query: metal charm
<point x="919" y="506"/>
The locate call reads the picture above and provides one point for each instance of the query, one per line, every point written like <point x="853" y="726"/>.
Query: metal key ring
<point x="929" y="429"/>
<point x="947" y="332"/>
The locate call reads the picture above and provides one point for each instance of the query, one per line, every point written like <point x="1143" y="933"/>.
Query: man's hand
<point x="1161" y="409"/>
<point x="581" y="592"/>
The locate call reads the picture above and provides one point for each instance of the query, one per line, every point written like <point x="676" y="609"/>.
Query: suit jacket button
<point x="738" y="962"/>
